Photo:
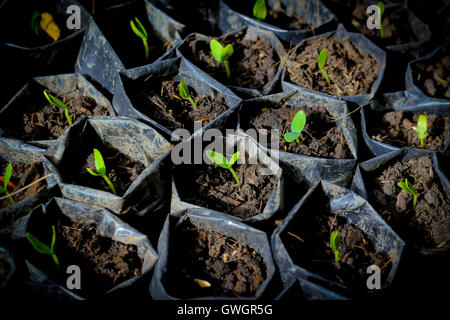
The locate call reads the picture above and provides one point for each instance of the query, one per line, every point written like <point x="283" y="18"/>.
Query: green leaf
<point x="38" y="245"/>
<point x="234" y="158"/>
<point x="335" y="241"/>
<point x="99" y="163"/>
<point x="291" y="136"/>
<point x="52" y="247"/>
<point x="323" y="58"/>
<point x="93" y="173"/>
<point x="260" y="10"/>
<point x="217" y="158"/>
<point x="299" y="121"/>
<point x="139" y="30"/>
<point x="228" y="51"/>
<point x="2" y="189"/>
<point x="422" y="127"/>
<point x="7" y="177"/>
<point x="381" y="6"/>
<point x="409" y="188"/>
<point x="184" y="90"/>
<point x="35" y="22"/>
<point x="217" y="50"/>
<point x="55" y="101"/>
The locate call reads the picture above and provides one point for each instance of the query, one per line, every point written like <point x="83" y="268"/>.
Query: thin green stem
<point x="421" y="143"/>
<point x="381" y="29"/>
<point x="66" y="112"/>
<point x="325" y="74"/>
<point x="147" y="53"/>
<point x="227" y="69"/>
<point x="110" y="184"/>
<point x="55" y="258"/>
<point x="336" y="255"/>
<point x="11" y="200"/>
<point x="235" y="176"/>
<point x="297" y="140"/>
<point x="414" y="201"/>
<point x="192" y="102"/>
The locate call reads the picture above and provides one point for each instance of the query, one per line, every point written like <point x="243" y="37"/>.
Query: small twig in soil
<point x="295" y="236"/>
<point x="26" y="187"/>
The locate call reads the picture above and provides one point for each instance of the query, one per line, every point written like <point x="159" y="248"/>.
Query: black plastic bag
<point x="107" y="226"/>
<point x="8" y="271"/>
<point x="360" y="42"/>
<point x="101" y="61"/>
<point x="357" y="212"/>
<point x="175" y="69"/>
<point x="311" y="12"/>
<point x="300" y="289"/>
<point x="253" y="238"/>
<point x="137" y="141"/>
<point x="69" y="86"/>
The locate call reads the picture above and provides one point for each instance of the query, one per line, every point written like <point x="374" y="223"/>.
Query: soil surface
<point x="253" y="64"/>
<point x="307" y="239"/>
<point x="212" y="187"/>
<point x="5" y="268"/>
<point x="41" y="120"/>
<point x="433" y="78"/>
<point x="231" y="268"/>
<point x="320" y="136"/>
<point x="398" y="128"/>
<point x="428" y="224"/>
<point x="352" y="72"/>
<point x="161" y="102"/>
<point x="22" y="175"/>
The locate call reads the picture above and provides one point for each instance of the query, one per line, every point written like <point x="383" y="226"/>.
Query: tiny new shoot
<point x="35" y="22"/>
<point x="6" y="178"/>
<point x="335" y="242"/>
<point x="222" y="54"/>
<point x="422" y="127"/>
<point x="58" y="103"/>
<point x="380" y="17"/>
<point x="43" y="248"/>
<point x="409" y="189"/>
<point x="220" y="160"/>
<point x="297" y="125"/>
<point x="260" y="10"/>
<point x="101" y="170"/>
<point x="321" y="62"/>
<point x="140" y="31"/>
<point x="184" y="93"/>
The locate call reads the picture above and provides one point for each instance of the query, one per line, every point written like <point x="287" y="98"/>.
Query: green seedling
<point x="184" y="93"/>
<point x="101" y="170"/>
<point x="222" y="54"/>
<point x="380" y="17"/>
<point x="422" y="127"/>
<point x="335" y="242"/>
<point x="409" y="189"/>
<point x="43" y="248"/>
<point x="297" y="125"/>
<point x="6" y="178"/>
<point x="221" y="161"/>
<point x="321" y="62"/>
<point x="260" y="10"/>
<point x="140" y="31"/>
<point x="35" y="22"/>
<point x="58" y="103"/>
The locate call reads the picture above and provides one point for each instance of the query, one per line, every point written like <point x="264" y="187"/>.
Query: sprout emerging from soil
<point x="335" y="242"/>
<point x="35" y="22"/>
<point x="202" y="283"/>
<point x="409" y="189"/>
<point x="58" y="103"/>
<point x="422" y="127"/>
<point x="321" y="62"/>
<point x="222" y="54"/>
<point x="184" y="93"/>
<point x="380" y="17"/>
<point x="6" y="178"/>
<point x="297" y="125"/>
<point x="140" y="31"/>
<point x="43" y="248"/>
<point x="221" y="161"/>
<point x="101" y="170"/>
<point x="260" y="10"/>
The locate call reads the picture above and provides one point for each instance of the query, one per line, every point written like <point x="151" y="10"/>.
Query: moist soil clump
<point x="231" y="268"/>
<point x="433" y="79"/>
<point x="352" y="72"/>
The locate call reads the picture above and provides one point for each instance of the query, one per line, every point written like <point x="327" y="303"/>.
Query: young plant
<point x="6" y="178"/>
<point x="409" y="189"/>
<point x="422" y="127"/>
<point x="335" y="241"/>
<point x="58" y="103"/>
<point x="101" y="170"/>
<point x="43" y="248"/>
<point x="297" y="125"/>
<point x="140" y="31"/>
<point x="220" y="160"/>
<point x="380" y="17"/>
<point x="46" y="22"/>
<point x="184" y="93"/>
<point x="321" y="62"/>
<point x="260" y="10"/>
<point x="222" y="54"/>
<point x="35" y="22"/>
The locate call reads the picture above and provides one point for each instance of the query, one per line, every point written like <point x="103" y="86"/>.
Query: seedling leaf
<point x="422" y="128"/>
<point x="38" y="245"/>
<point x="217" y="158"/>
<point x="140" y="31"/>
<point x="409" y="189"/>
<point x="234" y="158"/>
<point x="35" y="22"/>
<point x="291" y="136"/>
<point x="58" y="103"/>
<point x="99" y="163"/>
<point x="260" y="10"/>
<point x="184" y="93"/>
<point x="216" y="49"/>
<point x="323" y="58"/>
<point x="380" y="17"/>
<point x="335" y="241"/>
<point x="297" y="125"/>
<point x="7" y="176"/>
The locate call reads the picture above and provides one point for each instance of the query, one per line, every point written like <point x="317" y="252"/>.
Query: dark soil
<point x="277" y="16"/>
<point x="5" y="268"/>
<point x="231" y="268"/>
<point x="161" y="102"/>
<point x="428" y="224"/>
<point x="40" y="120"/>
<point x="22" y="175"/>
<point x="351" y="71"/>
<point x="397" y="128"/>
<point x="320" y="137"/>
<point x="215" y="188"/>
<point x="253" y="64"/>
<point x="307" y="239"/>
<point x="433" y="78"/>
